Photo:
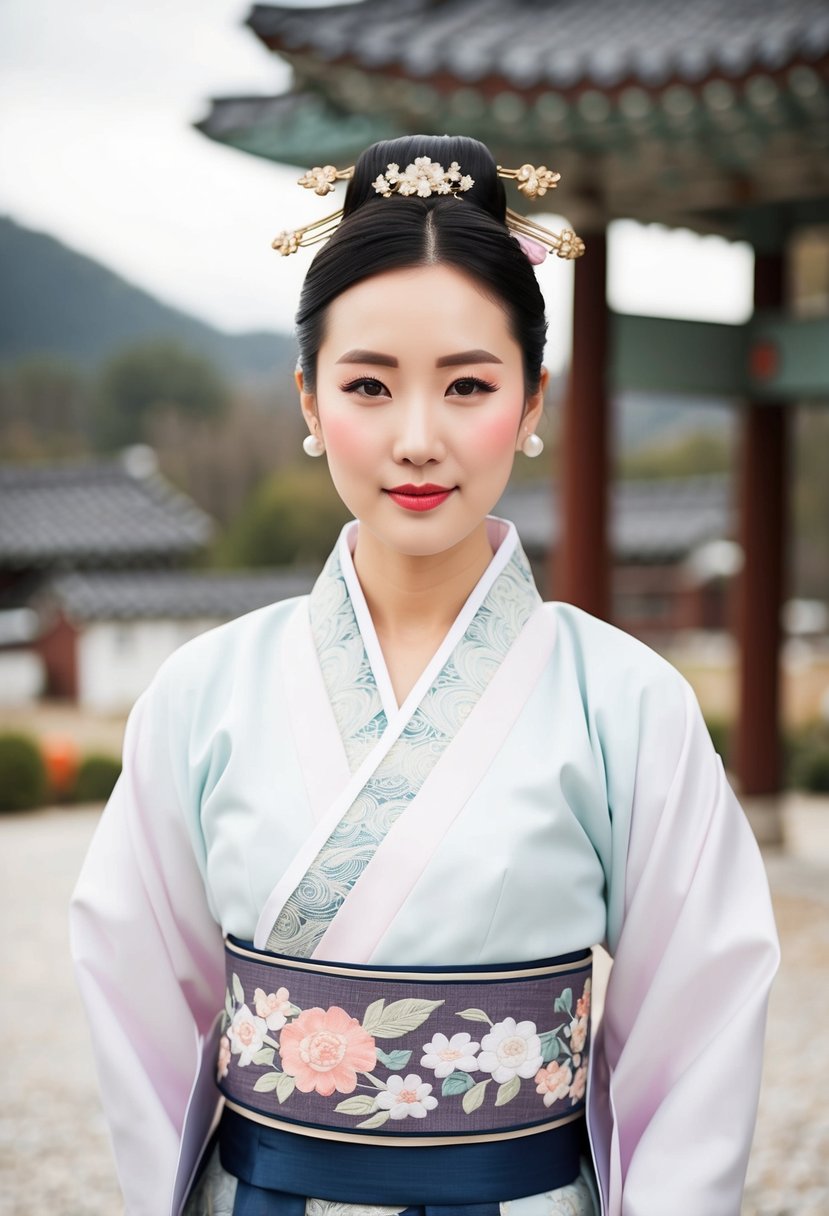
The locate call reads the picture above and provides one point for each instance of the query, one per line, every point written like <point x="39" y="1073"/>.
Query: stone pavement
<point x="54" y="1152"/>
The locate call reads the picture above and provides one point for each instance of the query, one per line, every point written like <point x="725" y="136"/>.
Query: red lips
<point x="420" y="498"/>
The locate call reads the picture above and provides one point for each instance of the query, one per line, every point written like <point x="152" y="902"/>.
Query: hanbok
<point x="548" y="785"/>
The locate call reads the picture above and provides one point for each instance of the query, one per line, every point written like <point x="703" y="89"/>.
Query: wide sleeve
<point x="148" y="956"/>
<point x="678" y="1055"/>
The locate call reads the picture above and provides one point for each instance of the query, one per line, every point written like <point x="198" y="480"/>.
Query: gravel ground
<point x="54" y="1151"/>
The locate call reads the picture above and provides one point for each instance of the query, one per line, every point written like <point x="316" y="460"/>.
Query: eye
<point x="373" y="388"/>
<point x="471" y="385"/>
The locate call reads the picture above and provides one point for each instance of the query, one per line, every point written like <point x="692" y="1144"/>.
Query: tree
<point x="292" y="518"/>
<point x="155" y="376"/>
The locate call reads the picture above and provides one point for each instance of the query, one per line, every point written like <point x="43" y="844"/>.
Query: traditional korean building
<point x="709" y="116"/>
<point x="95" y="585"/>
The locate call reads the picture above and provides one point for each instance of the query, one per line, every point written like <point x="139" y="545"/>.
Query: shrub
<point x="807" y="758"/>
<point x="22" y="773"/>
<point x="720" y="731"/>
<point x="96" y="778"/>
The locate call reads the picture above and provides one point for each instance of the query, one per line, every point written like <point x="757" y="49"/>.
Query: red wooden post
<point x="761" y="589"/>
<point x="581" y="573"/>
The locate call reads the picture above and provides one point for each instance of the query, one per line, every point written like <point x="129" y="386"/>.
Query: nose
<point x="418" y="439"/>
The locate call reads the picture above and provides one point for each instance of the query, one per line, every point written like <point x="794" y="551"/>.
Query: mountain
<point x="56" y="301"/>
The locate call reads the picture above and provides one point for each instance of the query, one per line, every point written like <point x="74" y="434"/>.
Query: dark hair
<point x="468" y="231"/>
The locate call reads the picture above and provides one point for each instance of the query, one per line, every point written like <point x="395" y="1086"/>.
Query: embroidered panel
<point x="346" y="670"/>
<point x="453" y="1054"/>
<point x="399" y="777"/>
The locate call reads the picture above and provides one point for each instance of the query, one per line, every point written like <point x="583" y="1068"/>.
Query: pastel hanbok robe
<point x="548" y="784"/>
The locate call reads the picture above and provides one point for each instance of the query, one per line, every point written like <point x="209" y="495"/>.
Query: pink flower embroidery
<point x="325" y="1049"/>
<point x="579" y="1084"/>
<point x="578" y="1035"/>
<point x="583" y="1003"/>
<point x="224" y="1057"/>
<point x="274" y="1007"/>
<point x="553" y="1082"/>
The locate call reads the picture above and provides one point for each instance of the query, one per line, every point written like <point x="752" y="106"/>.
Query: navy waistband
<point x="291" y="1165"/>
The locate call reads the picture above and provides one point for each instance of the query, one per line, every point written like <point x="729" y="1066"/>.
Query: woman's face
<point x="420" y="404"/>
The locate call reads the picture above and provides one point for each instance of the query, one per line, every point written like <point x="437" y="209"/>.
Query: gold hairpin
<point x="531" y="181"/>
<point x="421" y="179"/>
<point x="322" y="179"/>
<point x="564" y="244"/>
<point x="289" y="242"/>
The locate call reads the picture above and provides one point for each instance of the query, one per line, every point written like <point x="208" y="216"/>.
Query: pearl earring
<point x="313" y="446"/>
<point x="533" y="445"/>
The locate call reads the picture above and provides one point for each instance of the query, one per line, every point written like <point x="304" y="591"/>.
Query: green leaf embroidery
<point x="268" y="1082"/>
<point x="394" y="1060"/>
<point x="375" y="1080"/>
<point x="457" y="1082"/>
<point x="550" y="1046"/>
<point x="373" y="1014"/>
<point x="294" y="1011"/>
<point x="238" y="990"/>
<point x="264" y="1055"/>
<point x="360" y="1104"/>
<point x="377" y="1120"/>
<point x="271" y="1042"/>
<point x="473" y="1097"/>
<point x="228" y="1004"/>
<point x="400" y="1017"/>
<point x="564" y="1003"/>
<point x="284" y="1086"/>
<point x="508" y="1091"/>
<point x="474" y="1015"/>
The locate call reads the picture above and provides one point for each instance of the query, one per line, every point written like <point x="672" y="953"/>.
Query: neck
<point x="418" y="596"/>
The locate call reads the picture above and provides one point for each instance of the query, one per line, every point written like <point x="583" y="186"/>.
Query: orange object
<point x="61" y="757"/>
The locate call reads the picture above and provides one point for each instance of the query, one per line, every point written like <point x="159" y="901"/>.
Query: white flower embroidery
<point x="445" y="1055"/>
<point x="247" y="1034"/>
<point x="274" y="1007"/>
<point x="511" y="1050"/>
<point x="406" y="1096"/>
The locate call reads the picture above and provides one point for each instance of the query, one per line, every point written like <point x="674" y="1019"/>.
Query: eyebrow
<point x="464" y="356"/>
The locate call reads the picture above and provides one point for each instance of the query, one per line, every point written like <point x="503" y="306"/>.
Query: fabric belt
<point x="277" y="1170"/>
<point x="334" y="1073"/>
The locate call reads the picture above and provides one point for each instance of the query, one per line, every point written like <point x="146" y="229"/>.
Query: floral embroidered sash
<point x="401" y="772"/>
<point x="454" y="1055"/>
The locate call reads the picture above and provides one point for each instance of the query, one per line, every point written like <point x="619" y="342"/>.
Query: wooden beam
<point x="761" y="588"/>
<point x="581" y="573"/>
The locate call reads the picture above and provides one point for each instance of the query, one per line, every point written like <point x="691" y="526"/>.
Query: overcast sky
<point x="97" y="98"/>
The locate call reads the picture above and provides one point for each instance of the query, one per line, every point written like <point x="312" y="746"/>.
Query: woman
<point x="364" y="840"/>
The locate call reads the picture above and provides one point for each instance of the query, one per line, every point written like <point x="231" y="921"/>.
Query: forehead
<point x="417" y="307"/>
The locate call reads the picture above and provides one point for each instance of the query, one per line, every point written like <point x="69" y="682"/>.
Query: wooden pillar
<point x="762" y="586"/>
<point x="581" y="572"/>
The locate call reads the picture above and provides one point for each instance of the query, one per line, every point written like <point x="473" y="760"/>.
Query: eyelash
<point x="485" y="386"/>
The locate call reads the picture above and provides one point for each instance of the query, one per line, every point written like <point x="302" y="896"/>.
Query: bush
<point x="720" y="731"/>
<point x="807" y="758"/>
<point x="22" y="773"/>
<point x="96" y="779"/>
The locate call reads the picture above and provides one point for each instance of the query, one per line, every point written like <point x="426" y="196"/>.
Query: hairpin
<point x="425" y="177"/>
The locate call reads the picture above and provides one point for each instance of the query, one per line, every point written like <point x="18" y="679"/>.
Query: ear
<point x="533" y="409"/>
<point x="307" y="403"/>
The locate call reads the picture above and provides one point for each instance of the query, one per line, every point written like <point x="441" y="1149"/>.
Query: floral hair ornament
<point x="424" y="177"/>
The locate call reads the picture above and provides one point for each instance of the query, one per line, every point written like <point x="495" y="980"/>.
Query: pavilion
<point x="709" y="116"/>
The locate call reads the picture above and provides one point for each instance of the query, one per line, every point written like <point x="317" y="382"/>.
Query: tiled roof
<point x="115" y="512"/>
<point x="650" y="521"/>
<point x="177" y="594"/>
<point x="560" y="43"/>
